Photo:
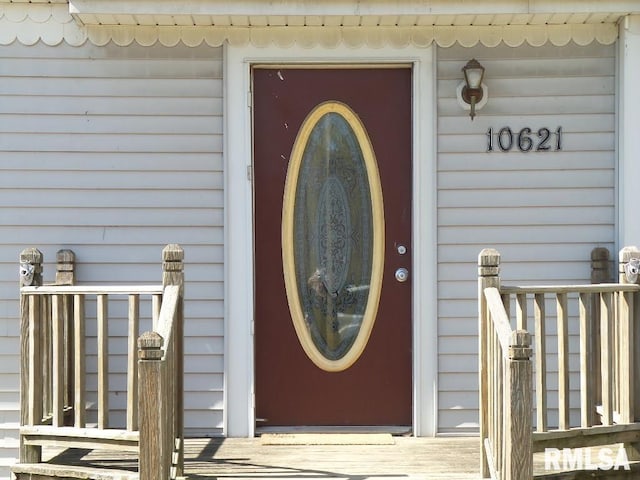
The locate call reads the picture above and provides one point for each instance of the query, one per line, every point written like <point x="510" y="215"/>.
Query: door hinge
<point x="250" y="173"/>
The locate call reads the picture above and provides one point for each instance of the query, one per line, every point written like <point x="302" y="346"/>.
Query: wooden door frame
<point x="239" y="411"/>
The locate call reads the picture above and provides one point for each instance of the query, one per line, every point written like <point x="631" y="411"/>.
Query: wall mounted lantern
<point x="472" y="93"/>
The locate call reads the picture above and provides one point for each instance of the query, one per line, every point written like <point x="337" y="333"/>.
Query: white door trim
<point x="239" y="416"/>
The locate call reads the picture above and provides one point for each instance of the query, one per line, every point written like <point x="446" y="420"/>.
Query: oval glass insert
<point x="333" y="236"/>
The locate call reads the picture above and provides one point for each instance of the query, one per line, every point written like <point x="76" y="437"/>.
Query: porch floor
<point x="247" y="458"/>
<point x="408" y="458"/>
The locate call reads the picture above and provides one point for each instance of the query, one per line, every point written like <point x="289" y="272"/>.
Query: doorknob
<point x="402" y="275"/>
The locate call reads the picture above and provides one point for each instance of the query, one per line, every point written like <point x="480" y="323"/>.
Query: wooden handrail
<point x="160" y="366"/>
<point x="508" y="443"/>
<point x="587" y="288"/>
<point x="500" y="320"/>
<point x="608" y="316"/>
<point x="92" y="290"/>
<point x="157" y="393"/>
<point x="53" y="373"/>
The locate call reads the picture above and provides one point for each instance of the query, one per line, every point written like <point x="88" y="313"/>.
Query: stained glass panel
<point x="333" y="232"/>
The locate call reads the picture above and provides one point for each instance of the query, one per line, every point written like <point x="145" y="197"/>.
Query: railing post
<point x="600" y="265"/>
<point x="488" y="276"/>
<point x="31" y="261"/>
<point x="65" y="267"/>
<point x="173" y="274"/>
<point x="629" y="346"/>
<point x="152" y="409"/>
<point x="65" y="275"/>
<point x="519" y="400"/>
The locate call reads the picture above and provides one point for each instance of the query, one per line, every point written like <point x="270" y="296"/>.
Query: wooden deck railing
<point x="57" y="406"/>
<point x="594" y="324"/>
<point x="505" y="383"/>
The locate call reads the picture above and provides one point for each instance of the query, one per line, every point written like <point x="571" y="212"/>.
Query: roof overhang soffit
<point x="349" y="12"/>
<point x="311" y="22"/>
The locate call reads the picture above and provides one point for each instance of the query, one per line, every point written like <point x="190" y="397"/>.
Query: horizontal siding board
<point x="112" y="124"/>
<point x="505" y="179"/>
<point x="592" y="104"/>
<point x="575" y="251"/>
<point x="458" y="421"/>
<point x="109" y="68"/>
<point x="170" y="198"/>
<point x="114" y="152"/>
<point x="529" y="86"/>
<point x="100" y="254"/>
<point x="110" y="161"/>
<point x="113" y="180"/>
<point x="112" y="217"/>
<point x="153" y="236"/>
<point x="516" y="161"/>
<point x="539" y="68"/>
<point x="527" y="216"/>
<point x="601" y="122"/>
<point x="141" y="88"/>
<point x="542" y="197"/>
<point x="40" y="104"/>
<point x="572" y="142"/>
<point x="544" y="211"/>
<point x="123" y="143"/>
<point x="459" y="271"/>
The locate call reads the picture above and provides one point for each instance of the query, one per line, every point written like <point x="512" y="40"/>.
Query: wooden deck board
<point x="440" y="458"/>
<point x="240" y="458"/>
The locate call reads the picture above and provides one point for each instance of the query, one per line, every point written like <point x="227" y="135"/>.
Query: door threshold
<point x="393" y="430"/>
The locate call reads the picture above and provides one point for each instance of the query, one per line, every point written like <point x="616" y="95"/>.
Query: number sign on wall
<point x="526" y="140"/>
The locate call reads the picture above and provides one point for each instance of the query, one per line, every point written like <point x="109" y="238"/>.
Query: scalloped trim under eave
<point x="53" y="31"/>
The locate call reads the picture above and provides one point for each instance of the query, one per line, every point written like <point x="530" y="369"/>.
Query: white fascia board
<point x="345" y="7"/>
<point x="583" y="6"/>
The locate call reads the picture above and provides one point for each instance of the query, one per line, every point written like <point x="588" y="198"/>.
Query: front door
<point x="332" y="205"/>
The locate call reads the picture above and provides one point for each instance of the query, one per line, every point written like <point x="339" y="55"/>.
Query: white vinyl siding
<point x="114" y="152"/>
<point x="543" y="211"/>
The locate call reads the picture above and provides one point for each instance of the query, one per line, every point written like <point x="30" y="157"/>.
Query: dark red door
<point x="291" y="388"/>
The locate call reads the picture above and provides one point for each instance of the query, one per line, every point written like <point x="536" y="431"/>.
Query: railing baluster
<point x="79" y="403"/>
<point x="57" y="361"/>
<point x="521" y="311"/>
<point x="626" y="347"/>
<point x="586" y="362"/>
<point x="541" y="363"/>
<point x="67" y="350"/>
<point x="45" y="345"/>
<point x="132" y="357"/>
<point x="636" y="356"/>
<point x="36" y="372"/>
<point x="563" y="361"/>
<point x="615" y="361"/>
<point x="606" y="320"/>
<point x="500" y="418"/>
<point x="103" y="362"/>
<point x="65" y="275"/>
<point x="156" y="301"/>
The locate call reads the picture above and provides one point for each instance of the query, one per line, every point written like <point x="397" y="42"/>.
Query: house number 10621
<point x="526" y="140"/>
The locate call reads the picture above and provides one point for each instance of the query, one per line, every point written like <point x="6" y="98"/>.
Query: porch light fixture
<point x="472" y="93"/>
